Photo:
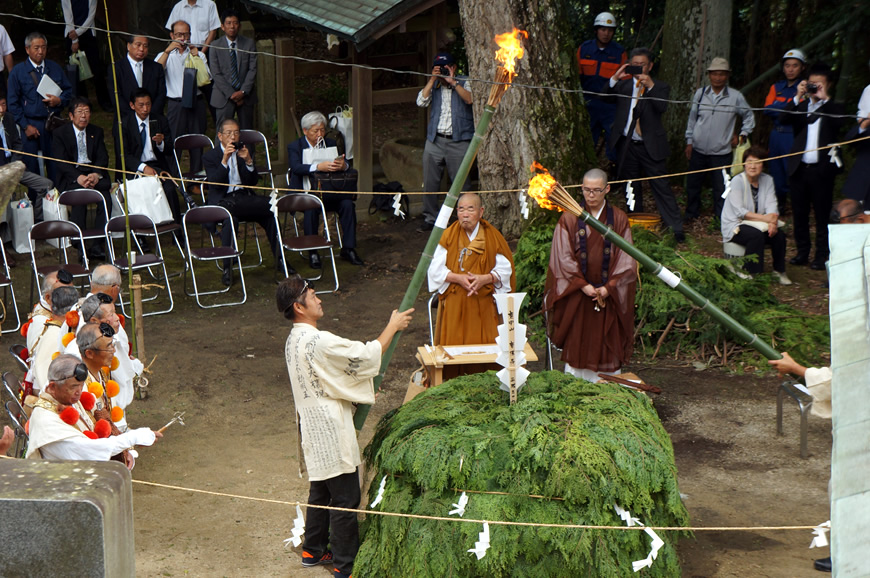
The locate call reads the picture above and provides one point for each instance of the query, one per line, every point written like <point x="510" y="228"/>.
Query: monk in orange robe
<point x="589" y="293"/>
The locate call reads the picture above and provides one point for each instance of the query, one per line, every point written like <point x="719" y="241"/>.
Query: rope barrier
<point x="515" y="85"/>
<point x="289" y="190"/>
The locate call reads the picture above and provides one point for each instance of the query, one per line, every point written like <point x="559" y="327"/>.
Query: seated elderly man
<point x="42" y="309"/>
<point x="61" y="428"/>
<point x="299" y="153"/>
<point x="97" y="346"/>
<point x="106" y="279"/>
<point x="44" y="344"/>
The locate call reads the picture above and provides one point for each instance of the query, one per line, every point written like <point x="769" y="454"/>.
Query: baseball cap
<point x="443" y="59"/>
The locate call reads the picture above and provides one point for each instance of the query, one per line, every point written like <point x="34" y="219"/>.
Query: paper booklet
<point x="48" y="87"/>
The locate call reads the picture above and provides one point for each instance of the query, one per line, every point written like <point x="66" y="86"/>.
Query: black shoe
<point x="817" y="265"/>
<point x="823" y="564"/>
<point x="97" y="254"/>
<point x="314" y="260"/>
<point x="350" y="255"/>
<point x="427" y="226"/>
<point x="799" y="260"/>
<point x="227" y="277"/>
<point x="279" y="267"/>
<point x="680" y="237"/>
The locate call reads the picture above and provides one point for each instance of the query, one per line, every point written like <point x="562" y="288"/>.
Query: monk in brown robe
<point x="589" y="294"/>
<point x="471" y="263"/>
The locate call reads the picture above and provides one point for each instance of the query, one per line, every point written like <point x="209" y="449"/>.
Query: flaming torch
<point x="549" y="194"/>
<point x="511" y="49"/>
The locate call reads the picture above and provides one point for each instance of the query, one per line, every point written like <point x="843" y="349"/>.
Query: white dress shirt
<point x="66" y="5"/>
<point x="202" y="18"/>
<point x="147" y="152"/>
<point x="175" y="71"/>
<point x="86" y="160"/>
<point x="235" y="181"/>
<point x="811" y="157"/>
<point x="138" y="69"/>
<point x="445" y="121"/>
<point x="635" y="89"/>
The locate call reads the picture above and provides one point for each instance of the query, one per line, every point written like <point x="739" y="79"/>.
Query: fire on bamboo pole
<point x="510" y="51"/>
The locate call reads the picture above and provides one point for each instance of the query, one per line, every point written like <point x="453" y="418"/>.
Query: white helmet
<point x="795" y="53"/>
<point x="605" y="19"/>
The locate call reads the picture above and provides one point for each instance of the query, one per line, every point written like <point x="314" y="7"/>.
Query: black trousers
<point x="636" y="162"/>
<point x="812" y="188"/>
<point x="695" y="181"/>
<point x="342" y="204"/>
<point x="88" y="44"/>
<point x="244" y="205"/>
<point x="340" y="529"/>
<point x="755" y="241"/>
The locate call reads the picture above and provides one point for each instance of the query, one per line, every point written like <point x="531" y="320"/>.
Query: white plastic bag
<point x="52" y="210"/>
<point x="145" y="196"/>
<point x="314" y="155"/>
<point x="342" y="119"/>
<point x="20" y="219"/>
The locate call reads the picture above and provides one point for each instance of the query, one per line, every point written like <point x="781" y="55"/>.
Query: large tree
<point x="531" y="124"/>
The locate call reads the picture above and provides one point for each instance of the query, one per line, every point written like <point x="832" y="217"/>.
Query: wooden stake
<point x="137" y="315"/>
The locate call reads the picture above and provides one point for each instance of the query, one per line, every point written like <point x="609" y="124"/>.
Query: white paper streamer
<point x="727" y="179"/>
<point x="273" y="202"/>
<point x="625" y="515"/>
<point x="834" y="153"/>
<point x="629" y="195"/>
<point x="297" y="531"/>
<point x="397" y="205"/>
<point x="821" y="538"/>
<point x="482" y="544"/>
<point x="524" y="204"/>
<point x="443" y="217"/>
<point x="656" y="545"/>
<point x="668" y="277"/>
<point x="380" y="495"/>
<point x="459" y="508"/>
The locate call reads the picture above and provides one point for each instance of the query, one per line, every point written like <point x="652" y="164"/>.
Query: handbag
<point x="52" y="210"/>
<point x="145" y="196"/>
<point x="341" y="121"/>
<point x="315" y="155"/>
<point x="80" y="59"/>
<point x="55" y="121"/>
<point x="737" y="158"/>
<point x="19" y="215"/>
<point x="188" y="88"/>
<point x="336" y="181"/>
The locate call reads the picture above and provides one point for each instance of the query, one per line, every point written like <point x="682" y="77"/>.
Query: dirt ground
<point x="225" y="368"/>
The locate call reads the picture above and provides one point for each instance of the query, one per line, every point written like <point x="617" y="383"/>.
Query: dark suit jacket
<point x="153" y="80"/>
<point x="649" y="113"/>
<point x="857" y="184"/>
<point x="133" y="144"/>
<point x="64" y="147"/>
<point x="217" y="173"/>
<point x="828" y="133"/>
<point x="13" y="140"/>
<point x="220" y="65"/>
<point x="298" y="168"/>
<point x="23" y="100"/>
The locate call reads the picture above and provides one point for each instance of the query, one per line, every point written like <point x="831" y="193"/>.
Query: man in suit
<point x="11" y="140"/>
<point x="233" y="166"/>
<point x="135" y="72"/>
<point x="82" y="143"/>
<point x="30" y="109"/>
<point x="234" y="70"/>
<point x="313" y="128"/>
<point x="638" y="136"/>
<point x="79" y="16"/>
<point x="812" y="174"/>
<point x="148" y="151"/>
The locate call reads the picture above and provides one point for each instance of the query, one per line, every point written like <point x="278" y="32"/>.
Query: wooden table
<point x="434" y="358"/>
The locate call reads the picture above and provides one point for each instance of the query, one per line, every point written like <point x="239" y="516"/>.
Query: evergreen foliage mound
<point x="592" y="445"/>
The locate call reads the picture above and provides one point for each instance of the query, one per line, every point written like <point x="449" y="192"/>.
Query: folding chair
<point x="325" y="222"/>
<point x="16" y="351"/>
<point x="6" y="283"/>
<point x="252" y="138"/>
<point x="140" y="261"/>
<point x="61" y="231"/>
<point x="189" y="142"/>
<point x="18" y="419"/>
<point x="85" y="197"/>
<point x="211" y="215"/>
<point x="169" y="228"/>
<point x="300" y="202"/>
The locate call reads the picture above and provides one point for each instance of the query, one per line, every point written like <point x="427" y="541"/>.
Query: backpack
<point x="385" y="202"/>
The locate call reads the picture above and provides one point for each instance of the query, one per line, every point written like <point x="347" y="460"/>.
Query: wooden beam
<point x="361" y="100"/>
<point x="286" y="85"/>
<point x="395" y="95"/>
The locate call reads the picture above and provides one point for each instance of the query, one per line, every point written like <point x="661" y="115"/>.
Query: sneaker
<point x="309" y="559"/>
<point x="336" y="573"/>
<point x="783" y="278"/>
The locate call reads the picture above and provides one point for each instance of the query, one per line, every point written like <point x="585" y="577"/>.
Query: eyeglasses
<point x="104" y="299"/>
<point x="80" y="373"/>
<point x="592" y="191"/>
<point x="106" y="330"/>
<point x="232" y="132"/>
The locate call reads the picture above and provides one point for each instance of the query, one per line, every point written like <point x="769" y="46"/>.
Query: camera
<point x="239" y="145"/>
<point x="443" y="71"/>
<point x="634" y="70"/>
<point x="812" y="88"/>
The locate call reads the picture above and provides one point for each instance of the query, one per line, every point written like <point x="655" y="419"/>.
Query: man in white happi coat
<point x="44" y="344"/>
<point x="328" y="375"/>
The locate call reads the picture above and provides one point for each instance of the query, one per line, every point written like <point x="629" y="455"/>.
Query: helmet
<point x="795" y="53"/>
<point x="605" y="19"/>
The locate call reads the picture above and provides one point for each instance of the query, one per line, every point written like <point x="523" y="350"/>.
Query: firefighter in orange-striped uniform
<point x="794" y="64"/>
<point x="598" y="59"/>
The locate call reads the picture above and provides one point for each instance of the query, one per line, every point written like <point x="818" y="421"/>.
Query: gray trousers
<point x="184" y="121"/>
<point x="436" y="155"/>
<point x="36" y="182"/>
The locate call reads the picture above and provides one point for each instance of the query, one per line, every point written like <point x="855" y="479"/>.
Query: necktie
<point x="39" y="68"/>
<point x="143" y="136"/>
<point x="83" y="149"/>
<point x="139" y="74"/>
<point x="234" y="67"/>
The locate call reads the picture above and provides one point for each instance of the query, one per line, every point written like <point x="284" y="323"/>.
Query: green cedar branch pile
<point x="694" y="335"/>
<point x="592" y="445"/>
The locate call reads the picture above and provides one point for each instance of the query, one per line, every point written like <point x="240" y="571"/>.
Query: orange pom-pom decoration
<point x="25" y="328"/>
<point x="112" y="388"/>
<point x="122" y="321"/>
<point x="69" y="416"/>
<point x="66" y="339"/>
<point x="72" y="319"/>
<point x="55" y="355"/>
<point x="95" y="388"/>
<point x="117" y="414"/>
<point x="105" y="369"/>
<point x="89" y="434"/>
<point x="88" y="400"/>
<point x="24" y="355"/>
<point x="116" y="363"/>
<point x="103" y="428"/>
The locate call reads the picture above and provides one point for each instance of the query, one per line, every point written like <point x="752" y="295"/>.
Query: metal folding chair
<point x="325" y="222"/>
<point x="6" y="285"/>
<point x="215" y="216"/>
<point x="293" y="203"/>
<point x="60" y="231"/>
<point x="16" y="351"/>
<point x="170" y="228"/>
<point x="18" y="420"/>
<point x="189" y="142"/>
<point x="141" y="261"/>
<point x="252" y="139"/>
<point x="85" y="197"/>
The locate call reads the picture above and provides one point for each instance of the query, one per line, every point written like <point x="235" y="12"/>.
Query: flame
<point x="541" y="186"/>
<point x="511" y="48"/>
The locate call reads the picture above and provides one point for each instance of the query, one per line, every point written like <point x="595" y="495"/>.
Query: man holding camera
<point x="812" y="174"/>
<point x="451" y="126"/>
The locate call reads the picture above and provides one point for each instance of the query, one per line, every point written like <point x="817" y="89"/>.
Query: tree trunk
<point x="541" y="125"/>
<point x="695" y="32"/>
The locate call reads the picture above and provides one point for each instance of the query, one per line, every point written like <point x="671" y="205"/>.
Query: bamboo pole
<point x="138" y="326"/>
